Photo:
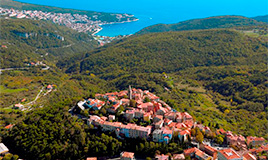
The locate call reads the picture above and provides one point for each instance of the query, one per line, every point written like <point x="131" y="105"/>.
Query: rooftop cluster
<point x="160" y="124"/>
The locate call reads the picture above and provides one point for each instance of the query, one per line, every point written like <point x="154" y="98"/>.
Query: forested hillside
<point x="217" y="75"/>
<point x="204" y="23"/>
<point x="26" y="40"/>
<point x="173" y="51"/>
<point x="261" y="18"/>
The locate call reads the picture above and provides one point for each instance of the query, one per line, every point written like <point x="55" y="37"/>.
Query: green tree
<point x="199" y="137"/>
<point x="146" y="99"/>
<point x="132" y="103"/>
<point x="219" y="139"/>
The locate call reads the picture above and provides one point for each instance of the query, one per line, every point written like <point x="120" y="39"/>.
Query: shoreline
<point x="111" y="23"/>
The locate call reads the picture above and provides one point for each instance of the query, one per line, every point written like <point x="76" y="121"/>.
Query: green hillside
<point x="204" y="23"/>
<point x="261" y="18"/>
<point x="216" y="75"/>
<point x="27" y="40"/>
<point x="173" y="51"/>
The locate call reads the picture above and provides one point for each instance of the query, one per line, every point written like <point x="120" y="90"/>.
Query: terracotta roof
<point x="187" y="115"/>
<point x="184" y="132"/>
<point x="23" y="100"/>
<point x="249" y="156"/>
<point x="199" y="153"/>
<point x="49" y="86"/>
<point x="9" y="126"/>
<point x="91" y="158"/>
<point x="98" y="95"/>
<point x="167" y="131"/>
<point x="250" y="138"/>
<point x="180" y="125"/>
<point x="178" y="156"/>
<point x="222" y="131"/>
<point x="189" y="151"/>
<point x="162" y="157"/>
<point x="18" y="105"/>
<point x="210" y="148"/>
<point x="127" y="155"/>
<point x="229" y="153"/>
<point x="172" y="124"/>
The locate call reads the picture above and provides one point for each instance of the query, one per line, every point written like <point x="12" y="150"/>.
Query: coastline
<point x="98" y="30"/>
<point x="78" y="20"/>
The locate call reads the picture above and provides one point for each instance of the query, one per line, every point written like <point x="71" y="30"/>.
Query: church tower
<point x="130" y="92"/>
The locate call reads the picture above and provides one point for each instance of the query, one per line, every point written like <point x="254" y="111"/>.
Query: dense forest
<point x="172" y="51"/>
<point x="261" y="18"/>
<point x="204" y="23"/>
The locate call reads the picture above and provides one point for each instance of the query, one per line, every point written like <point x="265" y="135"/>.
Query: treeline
<point x="205" y="23"/>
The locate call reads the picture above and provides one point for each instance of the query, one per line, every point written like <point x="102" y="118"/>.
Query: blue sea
<point x="150" y="12"/>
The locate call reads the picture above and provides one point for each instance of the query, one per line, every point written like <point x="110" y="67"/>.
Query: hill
<point x="32" y="40"/>
<point x="217" y="75"/>
<point x="261" y="18"/>
<point x="171" y="52"/>
<point x="204" y="23"/>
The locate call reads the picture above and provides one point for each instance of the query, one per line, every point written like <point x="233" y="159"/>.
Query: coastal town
<point x="135" y="113"/>
<point x="78" y="22"/>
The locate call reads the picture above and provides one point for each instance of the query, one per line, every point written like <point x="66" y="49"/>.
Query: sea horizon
<point x="156" y="12"/>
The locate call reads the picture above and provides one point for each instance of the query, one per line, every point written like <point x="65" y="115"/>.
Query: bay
<point x="152" y="12"/>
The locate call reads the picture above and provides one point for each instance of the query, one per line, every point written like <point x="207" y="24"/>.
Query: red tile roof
<point x="9" y="126"/>
<point x="209" y="148"/>
<point x="127" y="155"/>
<point x="49" y="86"/>
<point x="221" y="131"/>
<point x="91" y="158"/>
<point x="185" y="132"/>
<point x="229" y="153"/>
<point x="178" y="156"/>
<point x="249" y="156"/>
<point x="162" y="157"/>
<point x="189" y="151"/>
<point x="250" y="138"/>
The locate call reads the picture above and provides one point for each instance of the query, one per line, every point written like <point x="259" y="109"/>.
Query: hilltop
<point x="210" y="72"/>
<point x="261" y="18"/>
<point x="203" y="23"/>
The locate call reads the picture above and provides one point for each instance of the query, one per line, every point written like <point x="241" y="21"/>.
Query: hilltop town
<point x="135" y="113"/>
<point x="199" y="86"/>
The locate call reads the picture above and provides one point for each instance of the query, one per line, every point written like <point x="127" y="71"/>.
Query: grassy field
<point x="6" y="90"/>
